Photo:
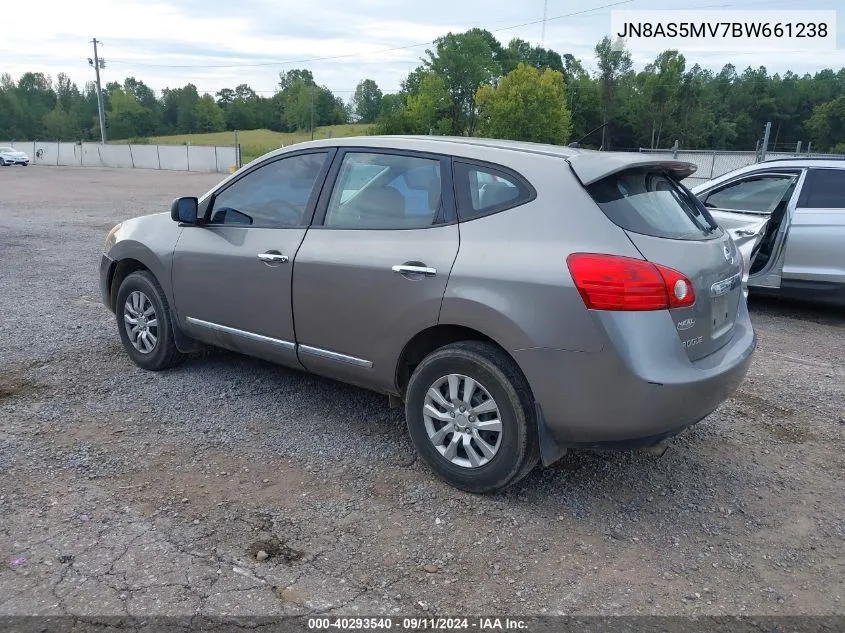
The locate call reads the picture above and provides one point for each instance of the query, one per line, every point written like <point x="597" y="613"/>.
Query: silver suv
<point x="520" y="299"/>
<point x="787" y="216"/>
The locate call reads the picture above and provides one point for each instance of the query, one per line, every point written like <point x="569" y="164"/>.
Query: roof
<point x="589" y="165"/>
<point x="769" y="165"/>
<point x="835" y="161"/>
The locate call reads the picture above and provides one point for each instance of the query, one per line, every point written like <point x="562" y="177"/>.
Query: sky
<point x="221" y="43"/>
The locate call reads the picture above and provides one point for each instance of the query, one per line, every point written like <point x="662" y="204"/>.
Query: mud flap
<point x="550" y="450"/>
<point x="184" y="343"/>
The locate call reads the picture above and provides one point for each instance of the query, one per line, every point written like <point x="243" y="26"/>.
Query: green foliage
<point x="828" y="125"/>
<point x="521" y="52"/>
<point x="208" y="115"/>
<point x="527" y="105"/>
<point x="614" y="65"/>
<point x="669" y="99"/>
<point x="303" y="103"/>
<point x="465" y="62"/>
<point x="59" y="124"/>
<point x="366" y="102"/>
<point x="125" y="114"/>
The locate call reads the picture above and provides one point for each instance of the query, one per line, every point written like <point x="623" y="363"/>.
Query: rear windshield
<point x="653" y="203"/>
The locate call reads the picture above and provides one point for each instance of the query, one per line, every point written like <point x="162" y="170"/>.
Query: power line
<point x="410" y="46"/>
<point x="348" y="55"/>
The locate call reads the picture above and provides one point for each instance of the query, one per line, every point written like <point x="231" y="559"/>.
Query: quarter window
<point x="825" y="189"/>
<point x="385" y="191"/>
<point x="485" y="190"/>
<point x="275" y="195"/>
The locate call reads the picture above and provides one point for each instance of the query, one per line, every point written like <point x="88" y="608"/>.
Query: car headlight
<point x="111" y="238"/>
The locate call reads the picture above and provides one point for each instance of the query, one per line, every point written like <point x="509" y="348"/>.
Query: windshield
<point x="653" y="203"/>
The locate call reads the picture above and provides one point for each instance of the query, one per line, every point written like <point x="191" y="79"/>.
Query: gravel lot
<point x="126" y="492"/>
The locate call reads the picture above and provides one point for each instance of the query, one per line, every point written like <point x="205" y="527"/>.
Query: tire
<point x="495" y="376"/>
<point x="139" y="292"/>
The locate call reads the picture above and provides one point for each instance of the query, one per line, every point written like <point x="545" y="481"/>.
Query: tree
<point x="36" y="97"/>
<point x="225" y="97"/>
<point x="662" y="82"/>
<point x="186" y="108"/>
<point x="527" y="105"/>
<point x="827" y="125"/>
<point x="208" y="115"/>
<point x="366" y="102"/>
<point x="428" y="110"/>
<point x="60" y="125"/>
<point x="613" y="64"/>
<point x="295" y="76"/>
<point x="583" y="100"/>
<point x="465" y="62"/>
<point x="240" y="115"/>
<point x="521" y="52"/>
<point x="124" y="115"/>
<point x="392" y="118"/>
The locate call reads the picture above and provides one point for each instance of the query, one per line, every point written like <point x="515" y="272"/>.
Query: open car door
<point x="753" y="210"/>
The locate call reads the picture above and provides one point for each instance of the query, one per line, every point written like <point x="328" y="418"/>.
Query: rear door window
<point x="385" y="191"/>
<point x="653" y="203"/>
<point x="825" y="189"/>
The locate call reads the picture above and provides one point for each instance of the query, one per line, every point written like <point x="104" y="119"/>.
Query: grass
<point x="254" y="143"/>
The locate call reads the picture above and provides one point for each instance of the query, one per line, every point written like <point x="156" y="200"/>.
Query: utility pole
<point x="545" y="12"/>
<point x="98" y="63"/>
<point x="311" y="90"/>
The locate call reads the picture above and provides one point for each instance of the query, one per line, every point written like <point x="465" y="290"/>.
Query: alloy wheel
<point x="462" y="420"/>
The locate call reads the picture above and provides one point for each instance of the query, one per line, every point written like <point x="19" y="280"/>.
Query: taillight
<point x="611" y="282"/>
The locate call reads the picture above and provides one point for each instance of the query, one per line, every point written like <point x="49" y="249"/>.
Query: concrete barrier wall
<point x="173" y="157"/>
<point x="144" y="156"/>
<point x="200" y="158"/>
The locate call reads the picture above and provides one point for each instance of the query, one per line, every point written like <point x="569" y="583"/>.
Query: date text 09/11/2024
<point x="418" y="624"/>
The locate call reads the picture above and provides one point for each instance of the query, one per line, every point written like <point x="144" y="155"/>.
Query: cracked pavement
<point x="140" y="494"/>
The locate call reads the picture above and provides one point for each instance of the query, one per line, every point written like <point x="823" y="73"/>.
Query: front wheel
<point x="143" y="320"/>
<point x="471" y="417"/>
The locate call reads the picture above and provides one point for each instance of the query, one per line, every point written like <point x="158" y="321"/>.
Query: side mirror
<point x="184" y="210"/>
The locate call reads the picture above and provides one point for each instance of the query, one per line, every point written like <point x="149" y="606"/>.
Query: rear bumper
<point x="641" y="388"/>
<point x="106" y="264"/>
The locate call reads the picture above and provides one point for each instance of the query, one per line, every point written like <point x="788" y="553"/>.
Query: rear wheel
<point x="471" y="418"/>
<point x="143" y="320"/>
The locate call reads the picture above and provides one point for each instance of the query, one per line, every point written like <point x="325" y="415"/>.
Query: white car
<point x="11" y="156"/>
<point x="787" y="217"/>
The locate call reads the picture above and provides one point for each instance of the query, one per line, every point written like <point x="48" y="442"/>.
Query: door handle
<point x="275" y="258"/>
<point x="404" y="269"/>
<point x="745" y="232"/>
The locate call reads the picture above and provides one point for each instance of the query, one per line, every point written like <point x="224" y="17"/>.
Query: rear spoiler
<point x="591" y="167"/>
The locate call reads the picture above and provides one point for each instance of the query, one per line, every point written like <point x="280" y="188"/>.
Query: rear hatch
<point x="672" y="229"/>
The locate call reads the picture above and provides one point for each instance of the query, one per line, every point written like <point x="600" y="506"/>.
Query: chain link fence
<point x="198" y="158"/>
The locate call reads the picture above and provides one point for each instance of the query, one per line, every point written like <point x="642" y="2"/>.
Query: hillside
<point x="254" y="143"/>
